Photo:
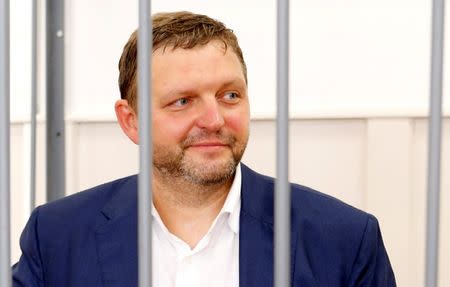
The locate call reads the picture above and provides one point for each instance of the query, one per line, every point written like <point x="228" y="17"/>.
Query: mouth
<point x="208" y="145"/>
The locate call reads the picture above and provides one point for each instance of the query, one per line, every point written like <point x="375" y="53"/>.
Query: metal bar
<point x="145" y="40"/>
<point x="434" y="144"/>
<point x="282" y="188"/>
<point x="55" y="99"/>
<point x="5" y="252"/>
<point x="34" y="24"/>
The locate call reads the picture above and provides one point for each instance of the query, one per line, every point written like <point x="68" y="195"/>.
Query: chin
<point x="209" y="172"/>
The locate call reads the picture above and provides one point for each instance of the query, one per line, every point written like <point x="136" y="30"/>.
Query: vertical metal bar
<point x="5" y="253"/>
<point x="145" y="40"/>
<point x="55" y="99"/>
<point x="434" y="144"/>
<point x="282" y="191"/>
<point x="33" y="104"/>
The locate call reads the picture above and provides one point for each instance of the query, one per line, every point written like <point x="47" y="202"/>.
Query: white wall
<point x="348" y="57"/>
<point x="20" y="53"/>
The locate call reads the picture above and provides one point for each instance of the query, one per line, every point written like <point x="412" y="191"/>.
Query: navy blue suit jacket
<point x="89" y="239"/>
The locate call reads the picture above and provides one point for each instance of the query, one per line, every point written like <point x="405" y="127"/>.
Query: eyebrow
<point x="236" y="81"/>
<point x="190" y="91"/>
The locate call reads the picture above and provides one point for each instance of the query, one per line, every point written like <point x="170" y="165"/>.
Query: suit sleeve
<point x="28" y="271"/>
<point x="372" y="267"/>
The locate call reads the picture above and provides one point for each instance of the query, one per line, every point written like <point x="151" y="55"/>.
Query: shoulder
<point x="83" y="209"/>
<point x="91" y="199"/>
<point x="310" y="207"/>
<point x="328" y="233"/>
<point x="325" y="209"/>
<point x="61" y="234"/>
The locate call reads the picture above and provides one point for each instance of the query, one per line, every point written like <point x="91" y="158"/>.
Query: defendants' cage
<point x="55" y="135"/>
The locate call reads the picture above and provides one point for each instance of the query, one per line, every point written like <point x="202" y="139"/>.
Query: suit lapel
<point x="255" y="252"/>
<point x="117" y="237"/>
<point x="256" y="245"/>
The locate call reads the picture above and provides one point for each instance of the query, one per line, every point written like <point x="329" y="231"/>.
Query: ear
<point x="127" y="119"/>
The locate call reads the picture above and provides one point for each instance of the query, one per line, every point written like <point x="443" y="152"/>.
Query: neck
<point x="188" y="209"/>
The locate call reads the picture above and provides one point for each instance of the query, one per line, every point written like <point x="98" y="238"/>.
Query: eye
<point x="180" y="102"/>
<point x="231" y="97"/>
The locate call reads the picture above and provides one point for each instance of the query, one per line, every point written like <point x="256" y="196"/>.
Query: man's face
<point x="200" y="113"/>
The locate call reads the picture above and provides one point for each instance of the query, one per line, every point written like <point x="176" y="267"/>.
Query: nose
<point x="210" y="116"/>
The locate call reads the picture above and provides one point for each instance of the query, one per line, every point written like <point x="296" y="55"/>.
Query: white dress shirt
<point x="214" y="261"/>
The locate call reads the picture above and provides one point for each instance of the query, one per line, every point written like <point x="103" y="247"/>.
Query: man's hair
<point x="184" y="30"/>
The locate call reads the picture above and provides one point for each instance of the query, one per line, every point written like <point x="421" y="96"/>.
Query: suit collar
<point x="123" y="200"/>
<point x="256" y="245"/>
<point x="116" y="236"/>
<point x="257" y="195"/>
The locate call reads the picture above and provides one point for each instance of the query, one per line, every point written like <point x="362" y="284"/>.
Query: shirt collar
<point x="232" y="203"/>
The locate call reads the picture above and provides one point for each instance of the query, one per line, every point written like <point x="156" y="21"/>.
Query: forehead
<point x="206" y="65"/>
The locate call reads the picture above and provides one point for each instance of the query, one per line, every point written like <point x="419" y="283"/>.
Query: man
<point x="212" y="216"/>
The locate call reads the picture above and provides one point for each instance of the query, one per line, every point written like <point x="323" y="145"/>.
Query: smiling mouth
<point x="209" y="143"/>
<point x="208" y="146"/>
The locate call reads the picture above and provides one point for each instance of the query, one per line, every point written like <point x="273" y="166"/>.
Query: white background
<point x="348" y="57"/>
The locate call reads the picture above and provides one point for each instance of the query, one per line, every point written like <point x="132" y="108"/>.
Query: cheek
<point x="169" y="129"/>
<point x="238" y="124"/>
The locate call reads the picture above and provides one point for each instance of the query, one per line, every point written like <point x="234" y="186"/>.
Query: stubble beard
<point x="175" y="164"/>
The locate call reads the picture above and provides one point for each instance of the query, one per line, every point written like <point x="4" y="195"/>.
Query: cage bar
<point x="145" y="40"/>
<point x="33" y="124"/>
<point x="282" y="189"/>
<point x="5" y="247"/>
<point x="434" y="144"/>
<point x="55" y="133"/>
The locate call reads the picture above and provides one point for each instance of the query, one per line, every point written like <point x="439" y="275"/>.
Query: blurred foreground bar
<point x="434" y="145"/>
<point x="282" y="190"/>
<point x="145" y="39"/>
<point x="5" y="251"/>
